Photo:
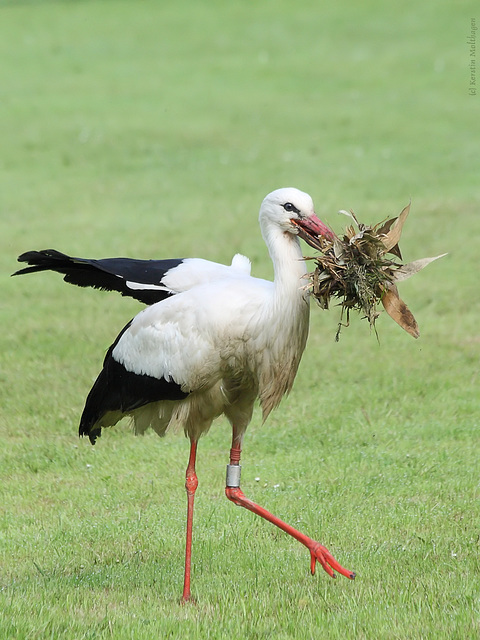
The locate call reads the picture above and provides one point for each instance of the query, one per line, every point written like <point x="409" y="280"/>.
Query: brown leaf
<point x="392" y="237"/>
<point x="385" y="228"/>
<point x="339" y="250"/>
<point x="398" y="311"/>
<point x="396" y="251"/>
<point x="410" y="269"/>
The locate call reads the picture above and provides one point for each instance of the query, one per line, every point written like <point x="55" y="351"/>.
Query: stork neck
<point x="287" y="315"/>
<point x="288" y="263"/>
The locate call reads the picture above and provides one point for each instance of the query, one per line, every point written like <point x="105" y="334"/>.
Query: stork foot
<point x="321" y="554"/>
<point x="318" y="552"/>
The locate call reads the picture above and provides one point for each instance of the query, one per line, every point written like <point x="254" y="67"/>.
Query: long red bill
<point x="310" y="228"/>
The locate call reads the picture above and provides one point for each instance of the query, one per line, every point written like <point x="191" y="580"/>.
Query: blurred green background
<point x="155" y="129"/>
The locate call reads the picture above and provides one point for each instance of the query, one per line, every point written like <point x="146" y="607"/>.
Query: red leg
<point x="191" y="484"/>
<point x="318" y="552"/>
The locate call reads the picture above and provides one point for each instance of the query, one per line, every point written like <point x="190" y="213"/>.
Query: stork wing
<point x="139" y="279"/>
<point x="148" y="281"/>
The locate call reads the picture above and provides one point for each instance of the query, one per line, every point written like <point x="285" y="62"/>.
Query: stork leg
<point x="191" y="484"/>
<point x="318" y="552"/>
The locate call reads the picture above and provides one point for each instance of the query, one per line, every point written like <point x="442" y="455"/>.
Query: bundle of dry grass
<point x="362" y="269"/>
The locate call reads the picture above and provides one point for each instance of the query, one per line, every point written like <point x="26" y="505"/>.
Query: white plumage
<point x="224" y="339"/>
<point x="193" y="272"/>
<point x="227" y="337"/>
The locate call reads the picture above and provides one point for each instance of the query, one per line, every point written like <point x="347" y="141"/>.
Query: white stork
<point x="213" y="341"/>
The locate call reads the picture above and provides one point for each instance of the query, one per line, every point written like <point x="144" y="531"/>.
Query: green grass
<point x="125" y="122"/>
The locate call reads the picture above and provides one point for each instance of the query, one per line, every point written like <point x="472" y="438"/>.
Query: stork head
<point x="292" y="210"/>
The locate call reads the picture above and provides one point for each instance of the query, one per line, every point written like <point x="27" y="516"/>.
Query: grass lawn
<point x="154" y="129"/>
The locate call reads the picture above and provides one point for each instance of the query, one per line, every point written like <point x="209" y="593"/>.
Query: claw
<point x="321" y="554"/>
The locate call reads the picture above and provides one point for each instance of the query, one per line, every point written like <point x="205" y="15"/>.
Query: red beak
<point x="310" y="228"/>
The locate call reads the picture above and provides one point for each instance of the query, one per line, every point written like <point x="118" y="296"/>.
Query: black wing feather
<point x="119" y="390"/>
<point x="108" y="274"/>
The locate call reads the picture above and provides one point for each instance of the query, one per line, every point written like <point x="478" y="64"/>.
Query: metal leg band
<point x="233" y="475"/>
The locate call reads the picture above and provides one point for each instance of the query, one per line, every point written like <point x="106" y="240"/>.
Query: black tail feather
<point x="46" y="260"/>
<point x="107" y="274"/>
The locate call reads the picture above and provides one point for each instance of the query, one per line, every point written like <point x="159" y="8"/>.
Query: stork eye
<point x="291" y="208"/>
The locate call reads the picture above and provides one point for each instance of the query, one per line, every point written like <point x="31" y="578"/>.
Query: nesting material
<point x="362" y="269"/>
